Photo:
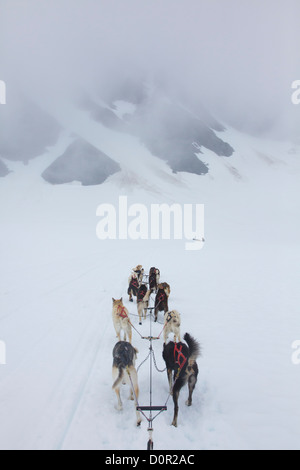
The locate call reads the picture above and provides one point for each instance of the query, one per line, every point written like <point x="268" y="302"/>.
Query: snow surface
<point x="239" y="297"/>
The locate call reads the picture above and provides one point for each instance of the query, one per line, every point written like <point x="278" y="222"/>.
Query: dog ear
<point x="113" y="300"/>
<point x="121" y="299"/>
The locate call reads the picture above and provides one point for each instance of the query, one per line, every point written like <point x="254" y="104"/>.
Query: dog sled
<point x="180" y="358"/>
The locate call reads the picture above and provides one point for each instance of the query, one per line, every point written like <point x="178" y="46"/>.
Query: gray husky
<point x="124" y="372"/>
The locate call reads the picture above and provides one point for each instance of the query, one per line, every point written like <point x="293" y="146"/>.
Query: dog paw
<point x="174" y="424"/>
<point x="138" y="424"/>
<point x="188" y="403"/>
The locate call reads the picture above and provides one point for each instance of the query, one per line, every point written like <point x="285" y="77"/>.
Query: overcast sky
<point x="239" y="57"/>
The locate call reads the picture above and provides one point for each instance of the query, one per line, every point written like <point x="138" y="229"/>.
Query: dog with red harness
<point x="121" y="320"/>
<point x="133" y="286"/>
<point x="180" y="359"/>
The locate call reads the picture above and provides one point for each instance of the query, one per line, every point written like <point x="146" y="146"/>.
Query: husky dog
<point x="181" y="359"/>
<point x="154" y="279"/>
<point x="139" y="271"/>
<point x="167" y="288"/>
<point x="143" y="301"/>
<point x="161" y="300"/>
<point x="133" y="286"/>
<point x="172" y="325"/>
<point x="121" y="320"/>
<point x="124" y="372"/>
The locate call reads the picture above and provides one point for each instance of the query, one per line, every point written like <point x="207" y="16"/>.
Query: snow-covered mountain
<point x="239" y="295"/>
<point x="168" y="129"/>
<point x="81" y="162"/>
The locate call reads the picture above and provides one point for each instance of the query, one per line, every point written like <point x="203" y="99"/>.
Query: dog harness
<point x="122" y="312"/>
<point x="161" y="297"/>
<point x="141" y="294"/>
<point x="179" y="357"/>
<point x="134" y="283"/>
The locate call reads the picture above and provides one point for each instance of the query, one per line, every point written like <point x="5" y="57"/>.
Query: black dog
<point x="181" y="359"/>
<point x="162" y="299"/>
<point x="133" y="287"/>
<point x="154" y="278"/>
<point x="141" y="293"/>
<point x="143" y="297"/>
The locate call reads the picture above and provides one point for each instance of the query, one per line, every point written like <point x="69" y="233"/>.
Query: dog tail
<point x="194" y="347"/>
<point x="119" y="379"/>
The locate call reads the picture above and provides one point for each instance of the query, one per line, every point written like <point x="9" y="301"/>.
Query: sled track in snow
<point x="85" y="350"/>
<point x="79" y="397"/>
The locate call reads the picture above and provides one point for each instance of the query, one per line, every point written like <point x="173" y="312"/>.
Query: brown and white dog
<point x="166" y="287"/>
<point x="143" y="298"/>
<point x="124" y="372"/>
<point x="139" y="271"/>
<point x="121" y="320"/>
<point x="162" y="299"/>
<point x="172" y="325"/>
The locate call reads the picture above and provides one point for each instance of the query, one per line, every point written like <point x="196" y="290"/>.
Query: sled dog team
<point x="180" y="358"/>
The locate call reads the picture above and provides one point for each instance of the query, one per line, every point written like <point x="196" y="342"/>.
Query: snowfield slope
<point x="239" y="296"/>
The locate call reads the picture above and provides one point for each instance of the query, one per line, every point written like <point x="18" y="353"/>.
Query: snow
<point x="239" y="296"/>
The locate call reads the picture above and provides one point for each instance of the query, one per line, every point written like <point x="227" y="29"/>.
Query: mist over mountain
<point x="27" y="130"/>
<point x="168" y="129"/>
<point x="173" y="75"/>
<point x="238" y="58"/>
<point x="165" y="126"/>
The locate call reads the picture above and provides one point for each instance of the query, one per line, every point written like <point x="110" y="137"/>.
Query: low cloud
<point x="239" y="59"/>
